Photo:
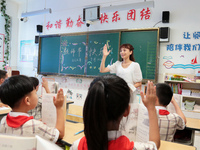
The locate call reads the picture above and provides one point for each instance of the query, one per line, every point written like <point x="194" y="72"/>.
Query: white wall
<point x="184" y="17"/>
<point x="12" y="11"/>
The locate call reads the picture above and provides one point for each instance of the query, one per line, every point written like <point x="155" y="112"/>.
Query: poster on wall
<point x="28" y="50"/>
<point x="184" y="55"/>
<point x="2" y="47"/>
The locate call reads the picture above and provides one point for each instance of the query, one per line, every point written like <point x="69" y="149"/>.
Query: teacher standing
<point x="130" y="71"/>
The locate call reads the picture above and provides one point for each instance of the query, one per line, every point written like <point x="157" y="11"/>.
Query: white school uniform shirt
<point x="132" y="74"/>
<point x="168" y="124"/>
<point x="30" y="128"/>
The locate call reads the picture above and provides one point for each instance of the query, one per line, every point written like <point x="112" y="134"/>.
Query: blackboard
<point x="145" y="50"/>
<point x="96" y="43"/>
<point x="72" y="54"/>
<point x="81" y="54"/>
<point x="49" y="55"/>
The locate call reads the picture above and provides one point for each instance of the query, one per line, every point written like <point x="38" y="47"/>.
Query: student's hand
<point x="44" y="83"/>
<point x="105" y="51"/>
<point x="59" y="99"/>
<point x="150" y="99"/>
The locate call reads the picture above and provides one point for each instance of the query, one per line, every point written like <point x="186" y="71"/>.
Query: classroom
<point x="175" y="24"/>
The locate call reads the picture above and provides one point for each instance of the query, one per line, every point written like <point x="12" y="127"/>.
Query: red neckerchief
<point x="16" y="122"/>
<point x="163" y="112"/>
<point x="120" y="143"/>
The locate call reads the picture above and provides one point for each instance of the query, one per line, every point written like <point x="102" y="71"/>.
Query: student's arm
<point x="45" y="85"/>
<point x="178" y="110"/>
<point x="149" y="102"/>
<point x="104" y="69"/>
<point x="60" y="122"/>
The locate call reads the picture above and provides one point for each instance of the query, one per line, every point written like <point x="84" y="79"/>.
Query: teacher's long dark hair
<point x="108" y="98"/>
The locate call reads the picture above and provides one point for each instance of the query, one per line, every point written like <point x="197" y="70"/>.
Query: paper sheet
<point x="49" y="115"/>
<point x="170" y="107"/>
<point x="142" y="124"/>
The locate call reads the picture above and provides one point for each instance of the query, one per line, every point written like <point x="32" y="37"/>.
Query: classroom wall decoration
<point x="27" y="50"/>
<point x="145" y="14"/>
<point x="185" y="47"/>
<point x="2" y="36"/>
<point x="81" y="54"/>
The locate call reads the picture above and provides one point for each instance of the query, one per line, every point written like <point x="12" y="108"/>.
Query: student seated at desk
<point x="168" y="122"/>
<point x="18" y="92"/>
<point x="37" y="111"/>
<point x="3" y="76"/>
<point x="105" y="105"/>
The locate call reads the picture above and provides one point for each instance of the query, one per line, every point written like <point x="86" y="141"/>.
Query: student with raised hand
<point x="19" y="93"/>
<point x="37" y="111"/>
<point x="168" y="122"/>
<point x="106" y="103"/>
<point x="130" y="71"/>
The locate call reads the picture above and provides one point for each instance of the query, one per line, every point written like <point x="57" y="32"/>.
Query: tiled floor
<point x="197" y="140"/>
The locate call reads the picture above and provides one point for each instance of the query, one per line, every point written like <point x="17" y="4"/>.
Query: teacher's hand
<point x="105" y="51"/>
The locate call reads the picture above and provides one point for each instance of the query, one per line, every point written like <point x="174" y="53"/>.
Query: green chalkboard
<point x="81" y="53"/>
<point x="145" y="50"/>
<point x="96" y="43"/>
<point x="72" y="54"/>
<point x="49" y="55"/>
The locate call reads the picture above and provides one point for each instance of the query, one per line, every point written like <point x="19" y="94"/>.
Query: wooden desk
<point x="70" y="130"/>
<point x="193" y="124"/>
<point x="165" y="145"/>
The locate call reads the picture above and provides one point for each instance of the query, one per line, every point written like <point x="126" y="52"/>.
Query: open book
<point x="49" y="114"/>
<point x="137" y="124"/>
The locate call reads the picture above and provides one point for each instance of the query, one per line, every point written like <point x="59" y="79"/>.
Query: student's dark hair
<point x="14" y="89"/>
<point x="3" y="74"/>
<point x="35" y="81"/>
<point x="130" y="47"/>
<point x="164" y="93"/>
<point x="107" y="99"/>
